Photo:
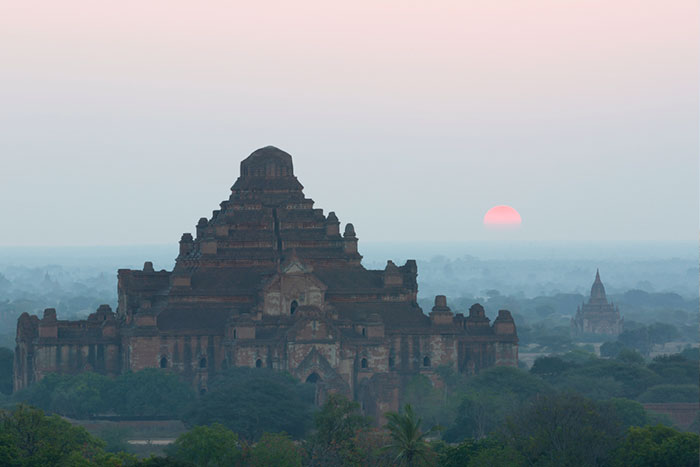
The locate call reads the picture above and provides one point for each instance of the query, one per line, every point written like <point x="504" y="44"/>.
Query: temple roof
<point x="267" y="168"/>
<point x="598" y="291"/>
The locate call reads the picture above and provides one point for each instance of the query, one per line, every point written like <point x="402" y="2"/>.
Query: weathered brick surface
<point x="269" y="281"/>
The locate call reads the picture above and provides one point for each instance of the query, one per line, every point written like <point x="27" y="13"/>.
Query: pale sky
<point x="125" y="122"/>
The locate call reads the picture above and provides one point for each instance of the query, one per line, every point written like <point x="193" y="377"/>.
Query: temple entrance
<point x="313" y="378"/>
<point x="316" y="380"/>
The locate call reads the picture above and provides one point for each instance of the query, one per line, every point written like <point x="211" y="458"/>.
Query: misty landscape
<point x="363" y="234"/>
<point x="653" y="361"/>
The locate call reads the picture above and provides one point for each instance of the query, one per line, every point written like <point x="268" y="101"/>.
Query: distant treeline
<point x="572" y="409"/>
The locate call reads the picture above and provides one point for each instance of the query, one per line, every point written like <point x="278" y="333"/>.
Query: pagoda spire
<point x="598" y="290"/>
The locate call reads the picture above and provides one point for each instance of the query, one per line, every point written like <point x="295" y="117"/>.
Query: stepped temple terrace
<point x="270" y="281"/>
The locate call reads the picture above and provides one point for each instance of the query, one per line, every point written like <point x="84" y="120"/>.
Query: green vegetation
<point x="549" y="428"/>
<point x="337" y="424"/>
<point x="147" y="393"/>
<point x="408" y="441"/>
<point x="207" y="446"/>
<point x="657" y="446"/>
<point x="28" y="438"/>
<point x="6" y="361"/>
<point x="251" y="401"/>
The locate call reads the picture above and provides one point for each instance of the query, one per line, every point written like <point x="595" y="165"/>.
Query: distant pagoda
<point x="597" y="316"/>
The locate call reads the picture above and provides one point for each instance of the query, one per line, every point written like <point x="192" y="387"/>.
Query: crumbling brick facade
<point x="269" y="281"/>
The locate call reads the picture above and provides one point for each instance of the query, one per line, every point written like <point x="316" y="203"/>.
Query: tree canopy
<point x="657" y="446"/>
<point x="207" y="446"/>
<point x="28" y="438"/>
<point x="150" y="392"/>
<point x="251" y="401"/>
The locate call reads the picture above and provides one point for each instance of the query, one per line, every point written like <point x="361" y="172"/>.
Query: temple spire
<point x="598" y="290"/>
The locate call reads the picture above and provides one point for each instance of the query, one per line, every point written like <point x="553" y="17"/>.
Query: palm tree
<point x="407" y="438"/>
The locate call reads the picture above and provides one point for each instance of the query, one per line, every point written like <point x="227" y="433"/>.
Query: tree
<point x="550" y="366"/>
<point x="336" y="425"/>
<point x="30" y="438"/>
<point x="630" y="356"/>
<point x="691" y="353"/>
<point x="275" y="449"/>
<point x="76" y="396"/>
<point x="675" y="369"/>
<point x="637" y="339"/>
<point x="661" y="333"/>
<point x="408" y="441"/>
<point x="431" y="402"/>
<point x="512" y="380"/>
<point x="671" y="393"/>
<point x="657" y="446"/>
<point x="630" y="380"/>
<point x="480" y="413"/>
<point x="115" y="438"/>
<point x="251" y="401"/>
<point x="563" y="430"/>
<point x="489" y="397"/>
<point x="628" y="412"/>
<point x="150" y="392"/>
<point x="611" y="349"/>
<point x="207" y="446"/>
<point x="6" y="362"/>
<point x="486" y="452"/>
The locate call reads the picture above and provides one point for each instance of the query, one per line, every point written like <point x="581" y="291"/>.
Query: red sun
<point x="502" y="216"/>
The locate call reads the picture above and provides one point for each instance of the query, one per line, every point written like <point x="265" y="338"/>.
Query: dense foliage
<point x="251" y="401"/>
<point x="337" y="424"/>
<point x="657" y="446"/>
<point x="147" y="393"/>
<point x="28" y="438"/>
<point x="6" y="362"/>
<point x="207" y="446"/>
<point x="408" y="441"/>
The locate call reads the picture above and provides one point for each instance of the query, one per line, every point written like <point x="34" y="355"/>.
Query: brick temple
<point x="598" y="316"/>
<point x="269" y="281"/>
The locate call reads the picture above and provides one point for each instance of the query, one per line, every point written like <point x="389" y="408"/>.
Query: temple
<point x="597" y="316"/>
<point x="269" y="281"/>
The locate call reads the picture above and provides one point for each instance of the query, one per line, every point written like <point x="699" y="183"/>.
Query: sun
<point x="502" y="217"/>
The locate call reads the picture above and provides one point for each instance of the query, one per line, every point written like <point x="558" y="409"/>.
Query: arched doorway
<point x="313" y="378"/>
<point x="316" y="380"/>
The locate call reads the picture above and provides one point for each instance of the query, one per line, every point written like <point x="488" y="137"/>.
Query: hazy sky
<point x="124" y="122"/>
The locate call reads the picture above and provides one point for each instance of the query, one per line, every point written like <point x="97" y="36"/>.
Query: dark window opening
<point x="391" y="362"/>
<point x="203" y="363"/>
<point x="164" y="362"/>
<point x="313" y="378"/>
<point x="258" y="363"/>
<point x="426" y="361"/>
<point x="364" y="332"/>
<point x="363" y="363"/>
<point x="234" y="333"/>
<point x="293" y="307"/>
